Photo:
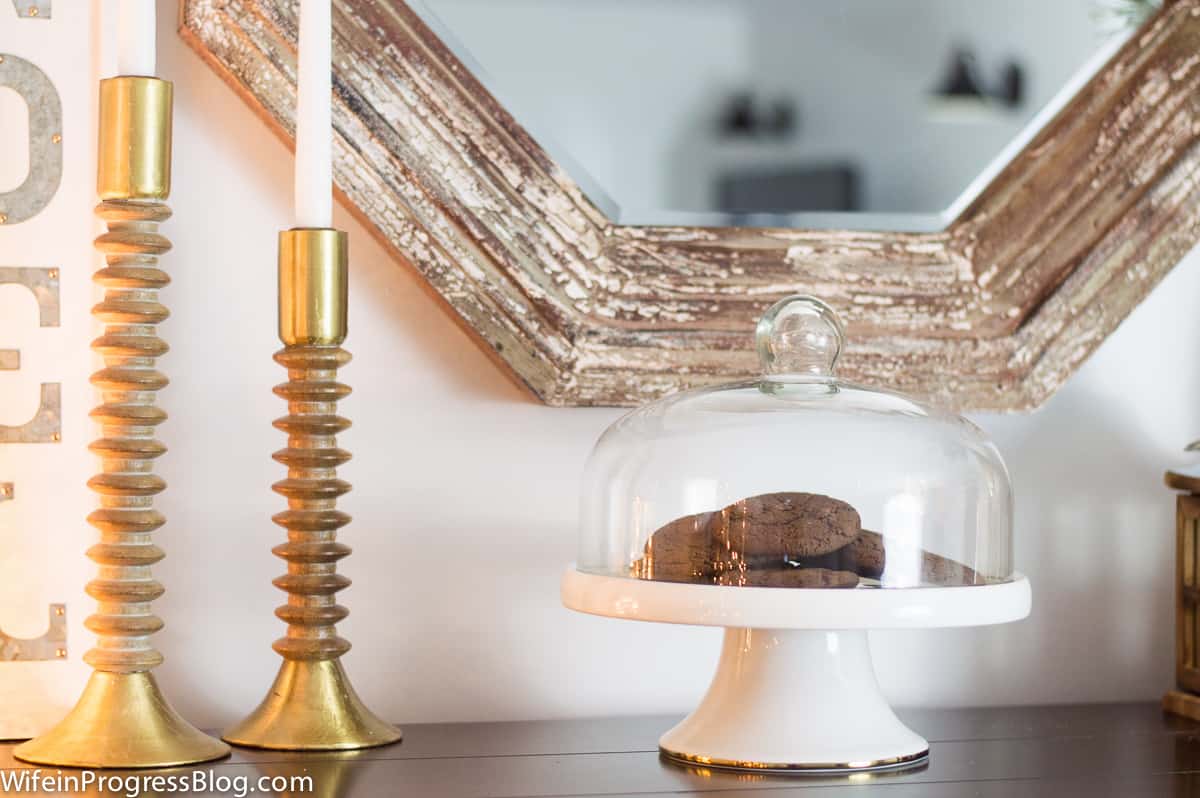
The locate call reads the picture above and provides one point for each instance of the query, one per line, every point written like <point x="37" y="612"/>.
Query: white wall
<point x="465" y="489"/>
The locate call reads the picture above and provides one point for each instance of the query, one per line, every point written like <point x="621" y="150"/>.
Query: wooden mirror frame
<point x="992" y="313"/>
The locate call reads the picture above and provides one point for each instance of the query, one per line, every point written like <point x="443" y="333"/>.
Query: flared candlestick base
<point x="122" y="720"/>
<point x="312" y="707"/>
<point x="787" y="699"/>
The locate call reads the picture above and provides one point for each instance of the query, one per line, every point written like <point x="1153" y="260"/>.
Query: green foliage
<point x="1126" y="13"/>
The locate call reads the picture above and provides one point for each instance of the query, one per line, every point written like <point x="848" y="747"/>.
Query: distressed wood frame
<point x="993" y="313"/>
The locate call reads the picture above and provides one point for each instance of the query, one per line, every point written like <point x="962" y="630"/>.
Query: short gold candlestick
<point x="122" y="719"/>
<point x="311" y="705"/>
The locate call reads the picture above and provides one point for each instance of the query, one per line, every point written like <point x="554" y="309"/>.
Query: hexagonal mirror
<point x="788" y="113"/>
<point x="608" y="193"/>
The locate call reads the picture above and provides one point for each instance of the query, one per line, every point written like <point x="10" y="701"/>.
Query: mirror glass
<point x="883" y="114"/>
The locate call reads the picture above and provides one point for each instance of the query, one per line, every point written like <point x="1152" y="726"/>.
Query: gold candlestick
<point x="122" y="719"/>
<point x="311" y="705"/>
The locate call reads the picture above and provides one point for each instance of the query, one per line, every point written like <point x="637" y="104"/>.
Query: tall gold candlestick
<point x="311" y="705"/>
<point x="122" y="719"/>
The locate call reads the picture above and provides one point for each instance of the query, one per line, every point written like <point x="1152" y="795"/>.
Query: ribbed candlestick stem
<point x="312" y="490"/>
<point x="122" y="719"/>
<point x="124" y="588"/>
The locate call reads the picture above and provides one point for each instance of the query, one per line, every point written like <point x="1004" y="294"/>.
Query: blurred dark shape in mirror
<point x="779" y="190"/>
<point x="964" y="83"/>
<point x="962" y="77"/>
<point x="743" y="117"/>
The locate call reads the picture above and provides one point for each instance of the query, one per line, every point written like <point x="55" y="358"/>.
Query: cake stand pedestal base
<point x="785" y="699"/>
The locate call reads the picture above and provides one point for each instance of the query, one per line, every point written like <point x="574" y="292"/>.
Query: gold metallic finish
<point x="311" y="705"/>
<point x="731" y="764"/>
<point x="313" y="285"/>
<point x="122" y="720"/>
<point x="135" y="139"/>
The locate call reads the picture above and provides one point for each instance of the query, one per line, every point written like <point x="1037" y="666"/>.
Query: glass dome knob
<point x="799" y="336"/>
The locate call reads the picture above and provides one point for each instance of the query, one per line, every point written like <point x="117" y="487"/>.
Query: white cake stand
<point x="795" y="689"/>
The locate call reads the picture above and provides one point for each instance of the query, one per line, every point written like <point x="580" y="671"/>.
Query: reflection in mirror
<point x="783" y="112"/>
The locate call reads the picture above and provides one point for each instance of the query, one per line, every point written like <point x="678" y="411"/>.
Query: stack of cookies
<point x="781" y="540"/>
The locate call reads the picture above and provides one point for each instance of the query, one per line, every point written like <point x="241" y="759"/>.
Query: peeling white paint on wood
<point x="994" y="313"/>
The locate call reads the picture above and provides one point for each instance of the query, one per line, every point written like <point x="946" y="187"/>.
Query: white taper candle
<point x="135" y="38"/>
<point x="314" y="121"/>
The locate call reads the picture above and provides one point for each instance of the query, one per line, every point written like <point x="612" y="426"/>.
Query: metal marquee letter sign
<point x="45" y="140"/>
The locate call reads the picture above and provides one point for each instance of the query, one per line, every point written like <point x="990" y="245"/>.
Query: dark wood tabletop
<point x="1125" y="750"/>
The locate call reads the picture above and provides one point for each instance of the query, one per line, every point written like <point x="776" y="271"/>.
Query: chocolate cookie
<point x="789" y="577"/>
<point x="944" y="572"/>
<point x="865" y="556"/>
<point x="680" y="551"/>
<point x="785" y="525"/>
<point x="934" y="569"/>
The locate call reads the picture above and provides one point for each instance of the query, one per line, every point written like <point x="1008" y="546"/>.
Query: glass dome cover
<point x="797" y="479"/>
